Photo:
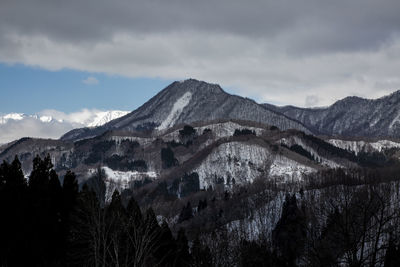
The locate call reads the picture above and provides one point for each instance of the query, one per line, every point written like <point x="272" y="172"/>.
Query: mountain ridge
<point x="187" y="102"/>
<point x="351" y="116"/>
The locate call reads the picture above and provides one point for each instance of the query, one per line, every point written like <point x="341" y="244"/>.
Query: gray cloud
<point x="311" y="101"/>
<point x="278" y="51"/>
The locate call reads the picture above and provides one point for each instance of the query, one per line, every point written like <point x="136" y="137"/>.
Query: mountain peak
<point x="189" y="101"/>
<point x="195" y="86"/>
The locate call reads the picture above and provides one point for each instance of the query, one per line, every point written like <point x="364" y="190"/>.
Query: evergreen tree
<point x="70" y="192"/>
<point x="39" y="178"/>
<point x="13" y="210"/>
<point x="168" y="158"/>
<point x="115" y="225"/>
<point x="134" y="213"/>
<point x="87" y="226"/>
<point x="151" y="221"/>
<point x="392" y="256"/>
<point x="183" y="256"/>
<point x="166" y="252"/>
<point x="186" y="213"/>
<point x="253" y="254"/>
<point x="201" y="255"/>
<point x="290" y="232"/>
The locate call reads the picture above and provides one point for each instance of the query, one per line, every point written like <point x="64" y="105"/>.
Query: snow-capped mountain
<point x="51" y="124"/>
<point x="98" y="118"/>
<point x="104" y="117"/>
<point x="186" y="102"/>
<point x="351" y="116"/>
<point x="21" y="116"/>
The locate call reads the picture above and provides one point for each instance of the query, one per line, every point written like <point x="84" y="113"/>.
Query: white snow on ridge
<point x="126" y="177"/>
<point x="363" y="146"/>
<point x="176" y="110"/>
<point x="12" y="116"/>
<point x="384" y="144"/>
<point x="298" y="141"/>
<point x="103" y="117"/>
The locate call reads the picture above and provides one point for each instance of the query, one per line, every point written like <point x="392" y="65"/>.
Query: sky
<point x="101" y="54"/>
<point x="28" y="89"/>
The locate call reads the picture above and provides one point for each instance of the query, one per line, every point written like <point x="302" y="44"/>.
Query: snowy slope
<point x="103" y="117"/>
<point x="176" y="110"/>
<point x="364" y="146"/>
<point x="245" y="162"/>
<point x="295" y="140"/>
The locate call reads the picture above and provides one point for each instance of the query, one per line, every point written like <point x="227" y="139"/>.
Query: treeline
<point x="48" y="223"/>
<point x="35" y="215"/>
<point x="346" y="220"/>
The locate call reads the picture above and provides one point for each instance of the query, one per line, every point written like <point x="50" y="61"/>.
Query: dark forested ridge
<point x="347" y="218"/>
<point x="45" y="223"/>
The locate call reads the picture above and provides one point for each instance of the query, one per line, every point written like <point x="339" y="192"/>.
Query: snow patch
<point x="119" y="180"/>
<point x="46" y="119"/>
<point x="363" y="146"/>
<point x="176" y="110"/>
<point x="102" y="118"/>
<point x="126" y="177"/>
<point x="288" y="169"/>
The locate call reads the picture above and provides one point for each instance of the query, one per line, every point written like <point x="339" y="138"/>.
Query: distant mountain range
<point x="282" y="136"/>
<point x="96" y="119"/>
<point x="350" y="117"/>
<point x="191" y="101"/>
<point x="51" y="124"/>
<point x="197" y="101"/>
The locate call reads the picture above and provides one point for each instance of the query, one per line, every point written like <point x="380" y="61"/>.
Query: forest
<point x="345" y="219"/>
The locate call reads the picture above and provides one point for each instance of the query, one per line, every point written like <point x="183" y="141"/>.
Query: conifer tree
<point x="134" y="213"/>
<point x="166" y="252"/>
<point x="183" y="255"/>
<point x="201" y="255"/>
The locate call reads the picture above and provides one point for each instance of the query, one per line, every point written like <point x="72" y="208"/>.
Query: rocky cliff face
<point x="351" y="116"/>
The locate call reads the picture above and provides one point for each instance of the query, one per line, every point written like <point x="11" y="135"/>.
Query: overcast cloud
<point x="288" y="52"/>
